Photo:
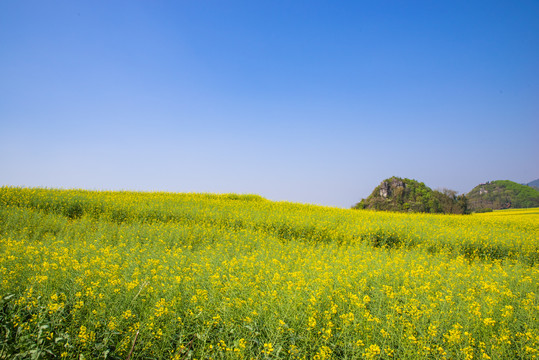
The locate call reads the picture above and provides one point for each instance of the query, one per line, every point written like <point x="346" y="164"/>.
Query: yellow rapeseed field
<point x="126" y="275"/>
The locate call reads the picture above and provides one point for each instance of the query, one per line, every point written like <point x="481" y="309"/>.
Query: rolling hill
<point x="534" y="183"/>
<point x="502" y="194"/>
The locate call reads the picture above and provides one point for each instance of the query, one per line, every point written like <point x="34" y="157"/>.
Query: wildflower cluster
<point x="199" y="276"/>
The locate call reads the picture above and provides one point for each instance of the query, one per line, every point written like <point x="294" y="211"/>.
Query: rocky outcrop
<point x="388" y="187"/>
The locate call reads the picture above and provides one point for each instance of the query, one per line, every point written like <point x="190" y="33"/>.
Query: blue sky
<point x="305" y="101"/>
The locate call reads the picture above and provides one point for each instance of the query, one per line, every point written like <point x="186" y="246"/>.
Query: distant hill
<point x="534" y="183"/>
<point x="407" y="195"/>
<point x="502" y="194"/>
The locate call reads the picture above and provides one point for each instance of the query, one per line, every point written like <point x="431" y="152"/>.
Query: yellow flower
<point x="268" y="348"/>
<point x="372" y="352"/>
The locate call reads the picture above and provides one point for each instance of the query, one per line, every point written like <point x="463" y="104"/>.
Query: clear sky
<point x="305" y="101"/>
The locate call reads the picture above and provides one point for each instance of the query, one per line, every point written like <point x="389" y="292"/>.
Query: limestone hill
<point x="407" y="195"/>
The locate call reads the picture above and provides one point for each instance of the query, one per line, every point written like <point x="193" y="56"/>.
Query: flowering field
<point x="125" y="275"/>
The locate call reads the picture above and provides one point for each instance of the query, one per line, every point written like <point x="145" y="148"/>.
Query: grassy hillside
<point x="157" y="275"/>
<point x="503" y="194"/>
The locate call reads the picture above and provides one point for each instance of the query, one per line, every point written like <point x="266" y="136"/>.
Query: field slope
<point x="117" y="275"/>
